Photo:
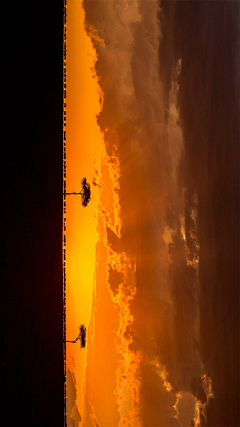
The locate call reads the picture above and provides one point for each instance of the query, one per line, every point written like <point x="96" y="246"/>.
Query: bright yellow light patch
<point x="83" y="142"/>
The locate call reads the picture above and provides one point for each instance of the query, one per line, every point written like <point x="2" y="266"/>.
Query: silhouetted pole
<point x="68" y="194"/>
<point x="78" y="338"/>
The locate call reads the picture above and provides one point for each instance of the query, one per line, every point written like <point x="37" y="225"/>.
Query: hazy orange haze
<point x="83" y="147"/>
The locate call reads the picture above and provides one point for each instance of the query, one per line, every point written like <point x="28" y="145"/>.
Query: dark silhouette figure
<point x="85" y="192"/>
<point x="81" y="337"/>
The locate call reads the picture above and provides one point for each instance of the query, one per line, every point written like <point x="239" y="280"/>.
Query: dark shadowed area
<point x="205" y="35"/>
<point x="32" y="375"/>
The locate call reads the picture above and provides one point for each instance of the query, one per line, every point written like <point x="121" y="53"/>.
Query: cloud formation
<point x="150" y="233"/>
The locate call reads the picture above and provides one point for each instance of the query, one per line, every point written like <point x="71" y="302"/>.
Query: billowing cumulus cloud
<point x="150" y="230"/>
<point x="156" y="404"/>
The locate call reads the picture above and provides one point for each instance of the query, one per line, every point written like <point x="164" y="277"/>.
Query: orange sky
<point x="83" y="148"/>
<point x="84" y="142"/>
<point x="115" y="256"/>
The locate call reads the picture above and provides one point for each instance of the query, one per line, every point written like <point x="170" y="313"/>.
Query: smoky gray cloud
<point x="156" y="405"/>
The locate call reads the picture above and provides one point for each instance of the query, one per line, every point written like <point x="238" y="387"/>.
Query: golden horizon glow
<point x="83" y="142"/>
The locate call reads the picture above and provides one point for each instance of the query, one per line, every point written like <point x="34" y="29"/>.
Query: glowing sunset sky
<point x="142" y="263"/>
<point x="83" y="155"/>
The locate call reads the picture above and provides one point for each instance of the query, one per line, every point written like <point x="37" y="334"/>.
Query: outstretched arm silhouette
<point x="78" y="338"/>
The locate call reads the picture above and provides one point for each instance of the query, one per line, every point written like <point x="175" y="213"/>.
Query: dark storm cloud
<point x="133" y="120"/>
<point x="164" y="330"/>
<point x="156" y="405"/>
<point x="208" y="43"/>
